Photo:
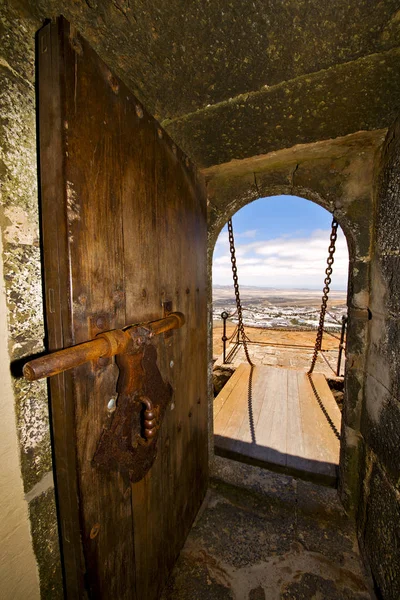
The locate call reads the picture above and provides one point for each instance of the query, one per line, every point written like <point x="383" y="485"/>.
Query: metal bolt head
<point x="171" y="364"/>
<point x="118" y="296"/>
<point x="100" y="323"/>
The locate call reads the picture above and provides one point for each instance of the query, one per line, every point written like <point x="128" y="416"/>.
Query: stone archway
<point x="338" y="175"/>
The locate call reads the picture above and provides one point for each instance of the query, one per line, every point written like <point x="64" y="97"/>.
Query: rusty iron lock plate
<point x="123" y="447"/>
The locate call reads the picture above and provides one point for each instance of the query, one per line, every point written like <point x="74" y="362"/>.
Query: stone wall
<point x="379" y="511"/>
<point x="28" y="486"/>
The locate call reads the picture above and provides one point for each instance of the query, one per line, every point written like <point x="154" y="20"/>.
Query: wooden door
<point x="124" y="239"/>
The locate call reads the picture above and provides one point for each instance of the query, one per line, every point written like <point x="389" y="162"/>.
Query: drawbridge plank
<point x="222" y="400"/>
<point x="327" y="398"/>
<point x="292" y="434"/>
<point x="294" y="430"/>
<point x="270" y="443"/>
<point x="321" y="447"/>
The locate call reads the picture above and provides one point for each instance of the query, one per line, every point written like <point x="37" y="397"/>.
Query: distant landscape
<point x="269" y="308"/>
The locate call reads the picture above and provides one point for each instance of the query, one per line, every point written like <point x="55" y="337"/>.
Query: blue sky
<point x="281" y="242"/>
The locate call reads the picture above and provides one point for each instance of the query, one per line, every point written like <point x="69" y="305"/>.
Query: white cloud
<point x="226" y="260"/>
<point x="285" y="262"/>
<point x="250" y="233"/>
<point x="223" y="238"/>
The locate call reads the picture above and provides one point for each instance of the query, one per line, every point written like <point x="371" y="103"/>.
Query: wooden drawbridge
<point x="291" y="433"/>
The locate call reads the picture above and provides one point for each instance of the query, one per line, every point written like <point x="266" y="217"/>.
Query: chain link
<point x="237" y="292"/>
<point x="241" y="330"/>
<point x="325" y="292"/>
<point x="320" y="332"/>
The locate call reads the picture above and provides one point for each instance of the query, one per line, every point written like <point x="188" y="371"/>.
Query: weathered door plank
<point x="57" y="289"/>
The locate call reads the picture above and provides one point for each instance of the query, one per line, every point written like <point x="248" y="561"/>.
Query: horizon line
<point x="266" y="287"/>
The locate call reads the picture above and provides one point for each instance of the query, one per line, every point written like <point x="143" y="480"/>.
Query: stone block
<point x="381" y="536"/>
<point x="45" y="542"/>
<point x="380" y="426"/>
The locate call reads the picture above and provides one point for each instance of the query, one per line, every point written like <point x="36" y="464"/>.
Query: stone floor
<point x="281" y="356"/>
<point x="263" y="536"/>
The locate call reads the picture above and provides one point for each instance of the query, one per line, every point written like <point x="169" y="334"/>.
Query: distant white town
<point x="270" y="308"/>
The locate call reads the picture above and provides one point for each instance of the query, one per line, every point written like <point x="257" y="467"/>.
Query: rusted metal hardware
<point x="325" y="292"/>
<point x="104" y="345"/>
<point x="128" y="443"/>
<point x="224" y="316"/>
<point x="360" y="314"/>
<point x="241" y="331"/>
<point x="320" y="332"/>
<point x="150" y="421"/>
<point x="341" y="344"/>
<point x="237" y="292"/>
<point x="167" y="310"/>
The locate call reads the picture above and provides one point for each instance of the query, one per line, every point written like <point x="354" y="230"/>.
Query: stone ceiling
<point x="233" y="79"/>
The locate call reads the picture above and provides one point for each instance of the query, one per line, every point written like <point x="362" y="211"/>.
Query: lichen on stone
<point x="45" y="542"/>
<point x="19" y="221"/>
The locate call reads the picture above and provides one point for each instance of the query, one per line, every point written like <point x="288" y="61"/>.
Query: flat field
<point x="285" y="308"/>
<point x="277" y="297"/>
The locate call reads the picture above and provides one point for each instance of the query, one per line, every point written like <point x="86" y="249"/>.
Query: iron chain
<point x="325" y="291"/>
<point x="320" y="332"/>
<point x="237" y="292"/>
<point x="241" y="330"/>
